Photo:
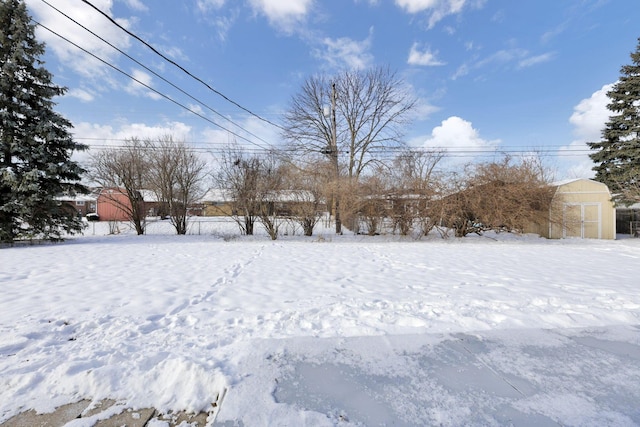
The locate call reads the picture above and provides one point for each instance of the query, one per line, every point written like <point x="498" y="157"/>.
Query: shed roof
<point x="572" y="180"/>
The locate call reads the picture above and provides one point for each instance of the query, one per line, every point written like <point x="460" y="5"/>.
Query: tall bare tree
<point x="374" y="107"/>
<point x="125" y="168"/>
<point x="351" y="118"/>
<point x="176" y="174"/>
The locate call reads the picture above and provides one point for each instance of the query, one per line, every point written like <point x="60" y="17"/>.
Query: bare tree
<point x="357" y="113"/>
<point x="374" y="107"/>
<point x="308" y="122"/>
<point x="373" y="206"/>
<point x="306" y="188"/>
<point x="253" y="184"/>
<point x="269" y="193"/>
<point x="176" y="175"/>
<point x="238" y="177"/>
<point x="124" y="168"/>
<point x="414" y="183"/>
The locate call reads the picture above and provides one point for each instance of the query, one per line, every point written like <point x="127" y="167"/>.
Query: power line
<point x="147" y="86"/>
<point x="216" y="147"/>
<point x="152" y="71"/>
<point x="447" y="152"/>
<point x="181" y="68"/>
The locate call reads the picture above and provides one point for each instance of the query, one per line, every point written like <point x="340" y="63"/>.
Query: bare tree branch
<point x="124" y="168"/>
<point x="176" y="175"/>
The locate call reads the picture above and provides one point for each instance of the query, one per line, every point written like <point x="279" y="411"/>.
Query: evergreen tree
<point x="35" y="143"/>
<point x="618" y="153"/>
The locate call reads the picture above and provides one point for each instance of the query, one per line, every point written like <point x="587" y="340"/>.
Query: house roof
<point x="78" y="198"/>
<point x="222" y="195"/>
<point x="215" y="195"/>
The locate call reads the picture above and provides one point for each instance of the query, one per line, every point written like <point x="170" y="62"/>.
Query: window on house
<point x="79" y="202"/>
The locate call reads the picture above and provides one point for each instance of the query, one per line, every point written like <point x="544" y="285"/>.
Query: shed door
<point x="582" y="220"/>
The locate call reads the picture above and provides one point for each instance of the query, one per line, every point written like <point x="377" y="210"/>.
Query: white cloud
<point x="503" y="56"/>
<point x="135" y="88"/>
<point x="81" y="94"/>
<point x="178" y="130"/>
<point x="206" y="5"/>
<point x="588" y="120"/>
<point x="505" y="59"/>
<point x="423" y="110"/>
<point x="255" y="134"/>
<point x="173" y="52"/>
<point x="438" y="8"/>
<point x="196" y="108"/>
<point x="137" y="5"/>
<point x="222" y="19"/>
<point x="79" y="61"/>
<point x="590" y="115"/>
<point x="283" y="14"/>
<point x="424" y="58"/>
<point x="550" y="35"/>
<point x="575" y="161"/>
<point x="223" y="24"/>
<point x="535" y="60"/>
<point x="99" y="136"/>
<point x="346" y="52"/>
<point x="457" y="135"/>
<point x="462" y="71"/>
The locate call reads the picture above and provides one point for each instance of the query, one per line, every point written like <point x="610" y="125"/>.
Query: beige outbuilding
<point x="581" y="208"/>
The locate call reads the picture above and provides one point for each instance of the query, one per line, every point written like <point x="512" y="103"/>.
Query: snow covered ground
<point x="326" y="330"/>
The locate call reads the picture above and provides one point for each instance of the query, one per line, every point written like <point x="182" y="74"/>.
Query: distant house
<point x="216" y="203"/>
<point x="81" y="203"/>
<point x="113" y="204"/>
<point x="581" y="208"/>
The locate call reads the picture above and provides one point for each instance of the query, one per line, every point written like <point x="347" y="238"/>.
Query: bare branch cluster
<point x="502" y="196"/>
<point x="124" y="170"/>
<point x="176" y="176"/>
<point x="253" y="184"/>
<point x="372" y="107"/>
<point x="165" y="167"/>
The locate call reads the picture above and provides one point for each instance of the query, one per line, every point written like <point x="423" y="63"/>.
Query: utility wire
<point x="215" y="147"/>
<point x="154" y="50"/>
<point x="149" y="87"/>
<point x="153" y="72"/>
<point x="457" y="152"/>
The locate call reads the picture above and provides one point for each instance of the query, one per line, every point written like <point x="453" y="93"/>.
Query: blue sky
<point x="490" y="75"/>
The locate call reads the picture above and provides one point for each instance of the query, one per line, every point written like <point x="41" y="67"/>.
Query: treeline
<point x="408" y="195"/>
<point x="338" y="133"/>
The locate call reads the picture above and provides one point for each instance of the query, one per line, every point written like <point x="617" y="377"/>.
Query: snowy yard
<point x="327" y="330"/>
